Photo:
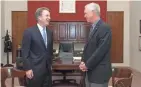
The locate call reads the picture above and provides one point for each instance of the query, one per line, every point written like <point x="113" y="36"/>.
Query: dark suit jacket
<point x="35" y="55"/>
<point x="96" y="54"/>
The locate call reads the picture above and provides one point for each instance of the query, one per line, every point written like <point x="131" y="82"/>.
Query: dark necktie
<point x="91" y="30"/>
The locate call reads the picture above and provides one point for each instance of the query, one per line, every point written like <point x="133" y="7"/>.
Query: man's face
<point x="44" y="18"/>
<point x="89" y="15"/>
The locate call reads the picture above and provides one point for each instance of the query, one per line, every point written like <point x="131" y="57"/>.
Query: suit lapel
<point x="40" y="37"/>
<point x="48" y="39"/>
<point x="93" y="32"/>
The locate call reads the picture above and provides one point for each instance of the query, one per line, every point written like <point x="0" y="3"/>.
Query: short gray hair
<point x="93" y="7"/>
<point x="39" y="12"/>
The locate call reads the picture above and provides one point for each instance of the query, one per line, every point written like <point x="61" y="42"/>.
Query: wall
<point x="135" y="16"/>
<point x="56" y="16"/>
<point x="122" y="6"/>
<point x="111" y="6"/>
<point x="0" y="31"/>
<point x="10" y="6"/>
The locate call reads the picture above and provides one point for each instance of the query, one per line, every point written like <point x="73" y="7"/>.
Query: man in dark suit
<point x="37" y="50"/>
<point x="96" y="55"/>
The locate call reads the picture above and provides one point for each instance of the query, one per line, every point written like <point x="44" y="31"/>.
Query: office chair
<point x="66" y="50"/>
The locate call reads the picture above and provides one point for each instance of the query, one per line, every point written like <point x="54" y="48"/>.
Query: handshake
<point x="83" y="67"/>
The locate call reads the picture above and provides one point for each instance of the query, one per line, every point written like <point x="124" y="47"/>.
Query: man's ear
<point x="39" y="18"/>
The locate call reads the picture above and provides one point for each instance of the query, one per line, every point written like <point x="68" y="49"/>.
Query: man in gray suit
<point x="96" y="55"/>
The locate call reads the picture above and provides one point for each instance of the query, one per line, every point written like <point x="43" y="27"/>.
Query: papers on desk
<point x="77" y="59"/>
<point x="57" y="51"/>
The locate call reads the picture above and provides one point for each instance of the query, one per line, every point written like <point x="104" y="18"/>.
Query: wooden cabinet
<point x="70" y="31"/>
<point x="62" y="31"/>
<point x="83" y="32"/>
<point x="53" y="27"/>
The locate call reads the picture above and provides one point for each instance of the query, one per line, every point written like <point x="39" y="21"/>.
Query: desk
<point x="66" y="64"/>
<point x="63" y="65"/>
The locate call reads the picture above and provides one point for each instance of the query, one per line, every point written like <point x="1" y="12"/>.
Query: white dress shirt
<point x="41" y="31"/>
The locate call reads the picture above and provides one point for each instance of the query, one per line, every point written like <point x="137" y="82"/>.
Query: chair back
<point x="66" y="50"/>
<point x="122" y="77"/>
<point x="10" y="73"/>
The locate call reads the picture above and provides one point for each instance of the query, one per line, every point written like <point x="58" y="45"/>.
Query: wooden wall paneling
<point x="54" y="27"/>
<point x="83" y="32"/>
<point x="62" y="31"/>
<point x="115" y="19"/>
<point x="19" y="24"/>
<point x="72" y="31"/>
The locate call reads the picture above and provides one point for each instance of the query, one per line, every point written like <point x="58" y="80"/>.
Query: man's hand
<point x="83" y="67"/>
<point x="29" y="74"/>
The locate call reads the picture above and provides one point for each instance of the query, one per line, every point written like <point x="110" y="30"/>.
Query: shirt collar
<point x="95" y="22"/>
<point x="40" y="27"/>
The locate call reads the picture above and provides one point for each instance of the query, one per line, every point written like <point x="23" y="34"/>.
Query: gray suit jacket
<point x="96" y="54"/>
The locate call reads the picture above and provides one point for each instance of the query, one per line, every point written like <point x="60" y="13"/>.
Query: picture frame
<point x="140" y="43"/>
<point x="67" y="6"/>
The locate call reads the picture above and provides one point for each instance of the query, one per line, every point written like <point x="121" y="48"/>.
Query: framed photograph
<point x="67" y="6"/>
<point x="140" y="43"/>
